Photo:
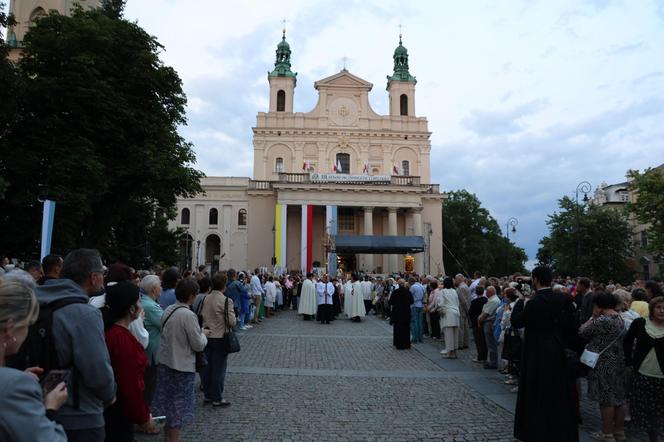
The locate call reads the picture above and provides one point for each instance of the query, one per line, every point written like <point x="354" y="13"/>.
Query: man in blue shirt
<point x="416" y="310"/>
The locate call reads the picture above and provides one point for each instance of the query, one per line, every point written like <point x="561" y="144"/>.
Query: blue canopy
<point x="371" y="244"/>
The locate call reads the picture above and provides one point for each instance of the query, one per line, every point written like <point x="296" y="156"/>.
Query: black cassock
<point x="400" y="301"/>
<point x="545" y="405"/>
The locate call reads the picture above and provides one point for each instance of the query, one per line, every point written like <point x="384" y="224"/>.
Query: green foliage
<point x="605" y="242"/>
<point x="473" y="240"/>
<point x="96" y="132"/>
<point x="649" y="206"/>
<point x="113" y="8"/>
<point x="8" y="92"/>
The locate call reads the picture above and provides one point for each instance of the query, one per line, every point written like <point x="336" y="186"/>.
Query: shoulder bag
<point x="590" y="358"/>
<point x="231" y="342"/>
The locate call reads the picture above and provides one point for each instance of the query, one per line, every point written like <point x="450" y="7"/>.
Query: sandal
<point x="602" y="436"/>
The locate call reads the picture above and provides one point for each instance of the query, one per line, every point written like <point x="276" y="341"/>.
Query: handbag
<point x="590" y="358"/>
<point x="231" y="342"/>
<point x="201" y="359"/>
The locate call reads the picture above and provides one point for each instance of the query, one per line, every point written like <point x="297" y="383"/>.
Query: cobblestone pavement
<point x="298" y="380"/>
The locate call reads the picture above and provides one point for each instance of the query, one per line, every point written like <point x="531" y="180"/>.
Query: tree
<point x="605" y="242"/>
<point x="96" y="132"/>
<point x="8" y="92"/>
<point x="649" y="206"/>
<point x="473" y="240"/>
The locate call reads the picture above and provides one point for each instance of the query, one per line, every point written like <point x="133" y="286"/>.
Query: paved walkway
<point x="299" y="380"/>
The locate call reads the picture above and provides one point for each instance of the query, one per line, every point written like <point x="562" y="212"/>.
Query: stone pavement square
<point x="298" y="380"/>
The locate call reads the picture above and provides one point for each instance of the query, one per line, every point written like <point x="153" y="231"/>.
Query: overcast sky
<point x="525" y="99"/>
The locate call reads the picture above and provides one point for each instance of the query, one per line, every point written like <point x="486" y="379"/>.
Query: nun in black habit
<point x="546" y="409"/>
<point x="400" y="302"/>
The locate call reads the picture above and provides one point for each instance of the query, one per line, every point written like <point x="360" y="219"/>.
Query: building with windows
<point x="339" y="186"/>
<point x="643" y="262"/>
<point x="26" y="12"/>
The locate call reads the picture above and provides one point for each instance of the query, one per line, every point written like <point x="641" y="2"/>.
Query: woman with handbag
<point x="604" y="355"/>
<point x="181" y="338"/>
<point x="218" y="317"/>
<point x="644" y="354"/>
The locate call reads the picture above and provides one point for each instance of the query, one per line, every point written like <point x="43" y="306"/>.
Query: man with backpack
<point x="76" y="342"/>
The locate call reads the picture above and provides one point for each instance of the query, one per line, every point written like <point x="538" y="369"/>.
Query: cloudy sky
<point x="525" y="99"/>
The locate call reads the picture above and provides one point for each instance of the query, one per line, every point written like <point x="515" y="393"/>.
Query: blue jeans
<point x="416" y="317"/>
<point x="244" y="316"/>
<point x="491" y="344"/>
<point x="214" y="373"/>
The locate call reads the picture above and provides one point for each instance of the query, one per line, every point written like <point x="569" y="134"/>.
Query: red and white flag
<point x="395" y="171"/>
<point x="338" y="167"/>
<point x="366" y="167"/>
<point x="305" y="166"/>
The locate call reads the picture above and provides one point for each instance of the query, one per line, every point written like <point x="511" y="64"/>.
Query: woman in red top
<point x="128" y="361"/>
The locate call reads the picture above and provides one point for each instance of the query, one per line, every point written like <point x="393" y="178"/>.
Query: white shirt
<point x="325" y="291"/>
<point x="366" y="290"/>
<point x="136" y="327"/>
<point x="270" y="291"/>
<point x="256" y="288"/>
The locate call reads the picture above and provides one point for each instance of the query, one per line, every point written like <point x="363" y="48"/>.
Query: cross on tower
<point x="401" y="31"/>
<point x="344" y="59"/>
<point x="284" y="26"/>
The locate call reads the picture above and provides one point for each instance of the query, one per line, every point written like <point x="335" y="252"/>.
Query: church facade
<point x="339" y="187"/>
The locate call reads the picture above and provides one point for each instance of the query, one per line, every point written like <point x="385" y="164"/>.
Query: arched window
<point x="281" y="101"/>
<point x="343" y="162"/>
<point x="36" y="15"/>
<point x="242" y="217"/>
<point x="403" y="104"/>
<point x="214" y="217"/>
<point x="405" y="168"/>
<point x="279" y="165"/>
<point x="184" y="217"/>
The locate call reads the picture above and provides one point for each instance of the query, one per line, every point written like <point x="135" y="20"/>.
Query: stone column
<point x="417" y="228"/>
<point x="368" y="230"/>
<point x="392" y="231"/>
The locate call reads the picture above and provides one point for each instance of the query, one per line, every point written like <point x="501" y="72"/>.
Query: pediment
<point x="343" y="79"/>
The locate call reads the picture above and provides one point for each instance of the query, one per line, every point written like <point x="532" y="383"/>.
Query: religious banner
<point x="347" y="178"/>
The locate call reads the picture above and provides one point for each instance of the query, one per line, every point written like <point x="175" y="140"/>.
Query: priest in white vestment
<point x="308" y="298"/>
<point x="355" y="302"/>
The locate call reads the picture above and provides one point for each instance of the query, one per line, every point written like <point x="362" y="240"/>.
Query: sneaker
<point x="477" y="361"/>
<point x="244" y="327"/>
<point x="248" y="326"/>
<point x="443" y="352"/>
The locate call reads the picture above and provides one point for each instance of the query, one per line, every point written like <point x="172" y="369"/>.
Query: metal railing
<point x="304" y="178"/>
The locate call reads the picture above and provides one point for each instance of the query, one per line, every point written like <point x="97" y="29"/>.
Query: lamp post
<point x="585" y="187"/>
<point x="512" y="222"/>
<point x="198" y="253"/>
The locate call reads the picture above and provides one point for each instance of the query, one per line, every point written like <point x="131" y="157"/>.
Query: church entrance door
<point x="347" y="262"/>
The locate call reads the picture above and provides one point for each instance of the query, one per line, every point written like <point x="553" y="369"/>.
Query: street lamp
<point x="512" y="222"/>
<point x="198" y="253"/>
<point x="585" y="187"/>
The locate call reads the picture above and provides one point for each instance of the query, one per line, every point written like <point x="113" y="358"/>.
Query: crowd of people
<point x="546" y="335"/>
<point x="122" y="347"/>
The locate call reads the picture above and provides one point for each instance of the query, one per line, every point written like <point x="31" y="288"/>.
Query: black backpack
<point x="38" y="350"/>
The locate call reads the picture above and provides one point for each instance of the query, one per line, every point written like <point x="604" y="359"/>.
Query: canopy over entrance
<point x="371" y="244"/>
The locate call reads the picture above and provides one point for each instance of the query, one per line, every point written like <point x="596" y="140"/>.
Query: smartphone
<point x="53" y="378"/>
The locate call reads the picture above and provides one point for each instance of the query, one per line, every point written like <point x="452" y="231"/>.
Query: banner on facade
<point x="347" y="178"/>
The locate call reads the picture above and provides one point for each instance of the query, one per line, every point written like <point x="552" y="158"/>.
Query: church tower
<point x="282" y="79"/>
<point x="401" y="85"/>
<point x="26" y="12"/>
